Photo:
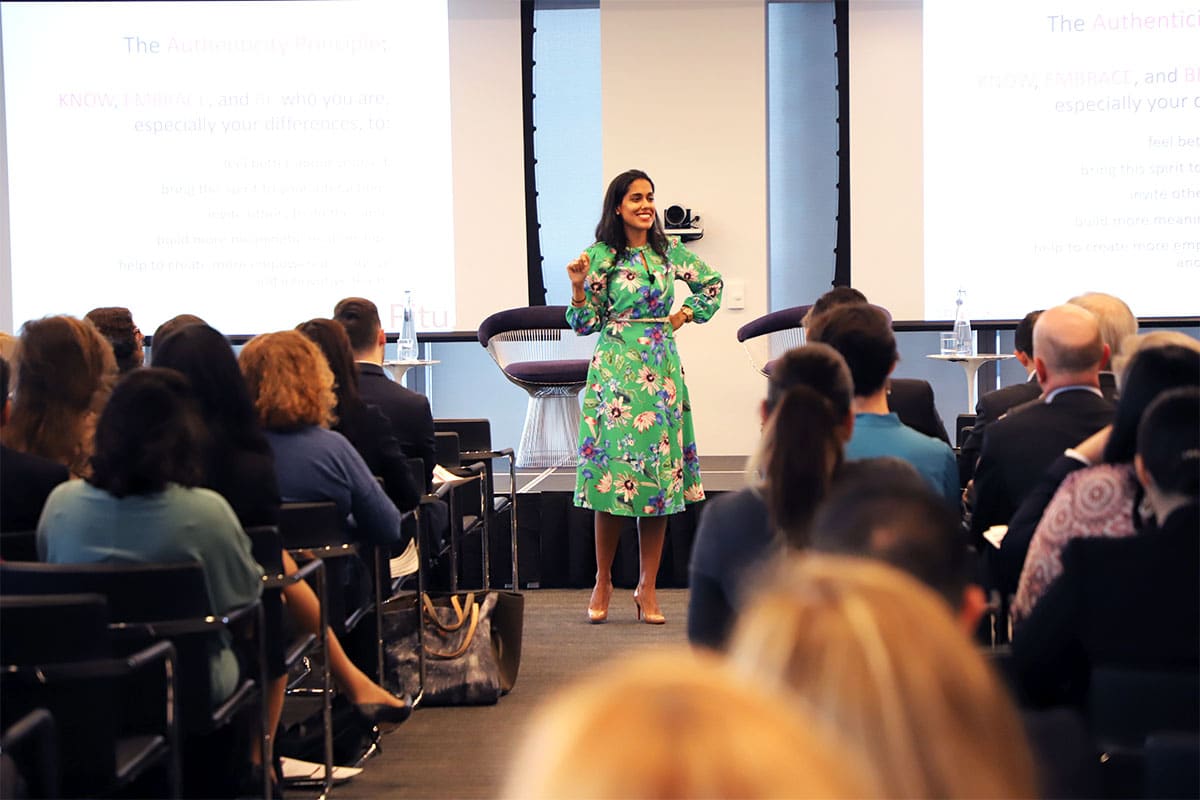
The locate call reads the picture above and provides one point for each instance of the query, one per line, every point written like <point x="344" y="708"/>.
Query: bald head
<point x="1067" y="347"/>
<point x="1115" y="318"/>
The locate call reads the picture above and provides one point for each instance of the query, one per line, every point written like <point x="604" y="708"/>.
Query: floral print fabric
<point x="637" y="449"/>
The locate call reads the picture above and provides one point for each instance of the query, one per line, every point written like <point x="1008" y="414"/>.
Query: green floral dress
<point x="637" y="449"/>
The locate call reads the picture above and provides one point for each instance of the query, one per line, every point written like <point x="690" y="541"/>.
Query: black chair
<point x="1172" y="766"/>
<point x="316" y="530"/>
<point x="18" y="546"/>
<point x="475" y="444"/>
<point x="170" y="602"/>
<point x="115" y="716"/>
<point x="267" y="547"/>
<point x="1126" y="707"/>
<point x="465" y="495"/>
<point x="29" y="757"/>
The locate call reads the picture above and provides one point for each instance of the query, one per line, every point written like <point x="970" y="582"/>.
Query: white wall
<point x="706" y="148"/>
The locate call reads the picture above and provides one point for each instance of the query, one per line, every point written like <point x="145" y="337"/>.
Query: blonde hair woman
<point x="879" y="657"/>
<point x="65" y="373"/>
<point x="677" y="724"/>
<point x="291" y="388"/>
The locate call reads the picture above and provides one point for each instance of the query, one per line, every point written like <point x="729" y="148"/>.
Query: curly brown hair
<point x="64" y="377"/>
<point x="290" y="383"/>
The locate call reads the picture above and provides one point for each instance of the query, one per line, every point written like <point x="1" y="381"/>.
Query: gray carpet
<point x="464" y="752"/>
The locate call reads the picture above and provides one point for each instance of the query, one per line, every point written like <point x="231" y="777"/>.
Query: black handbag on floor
<point x="472" y="645"/>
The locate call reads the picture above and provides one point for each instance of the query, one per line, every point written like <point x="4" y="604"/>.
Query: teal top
<point x="82" y="524"/>
<point x="878" y="435"/>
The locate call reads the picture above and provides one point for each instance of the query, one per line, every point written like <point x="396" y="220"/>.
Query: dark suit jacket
<point x="371" y="434"/>
<point x="25" y="483"/>
<point x="408" y="411"/>
<point x="988" y="409"/>
<point x="1019" y="448"/>
<point x="912" y="400"/>
<point x="1131" y="602"/>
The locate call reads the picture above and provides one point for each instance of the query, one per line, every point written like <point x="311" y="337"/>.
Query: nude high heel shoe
<point x="598" y="605"/>
<point x="645" y="615"/>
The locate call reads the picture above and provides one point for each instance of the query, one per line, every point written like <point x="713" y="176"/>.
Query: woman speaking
<point x="637" y="449"/>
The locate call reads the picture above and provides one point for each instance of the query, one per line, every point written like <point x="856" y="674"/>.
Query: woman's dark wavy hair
<point x="206" y="359"/>
<point x="611" y="229"/>
<point x="802" y="449"/>
<point x="1152" y="371"/>
<point x="149" y="435"/>
<point x="331" y="337"/>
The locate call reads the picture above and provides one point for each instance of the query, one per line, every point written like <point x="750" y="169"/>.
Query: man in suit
<point x="910" y="398"/>
<point x="408" y="411"/>
<point x="1017" y="449"/>
<point x="862" y="334"/>
<point x="995" y="404"/>
<point x="25" y="480"/>
<point x="1129" y="601"/>
<point x="1116" y="323"/>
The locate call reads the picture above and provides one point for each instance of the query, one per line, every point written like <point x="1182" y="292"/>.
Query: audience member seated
<point x="863" y="335"/>
<point x="1128" y="602"/>
<point x="1017" y="449"/>
<point x="995" y="404"/>
<point x="241" y="467"/>
<point x="239" y="464"/>
<point x="675" y="724"/>
<point x="1117" y="323"/>
<point x="877" y="656"/>
<point x="807" y="418"/>
<point x="408" y="411"/>
<point x="142" y="503"/>
<point x="25" y="480"/>
<point x="170" y="326"/>
<point x="117" y="326"/>
<point x="1005" y="564"/>
<point x="911" y="398"/>
<point x="882" y="509"/>
<point x="365" y="426"/>
<point x="292" y="391"/>
<point x="1100" y="500"/>
<point x="64" y="377"/>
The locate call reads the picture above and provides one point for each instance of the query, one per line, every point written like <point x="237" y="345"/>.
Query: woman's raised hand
<point x="577" y="270"/>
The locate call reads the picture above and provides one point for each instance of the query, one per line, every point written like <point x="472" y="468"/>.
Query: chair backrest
<point x="770" y="336"/>
<point x="30" y="746"/>
<point x="18" y="546"/>
<point x="446" y="447"/>
<point x="533" y="333"/>
<point x="474" y="434"/>
<point x="53" y="628"/>
<point x="267" y="547"/>
<point x="311" y="525"/>
<point x="525" y="318"/>
<point x="1127" y="705"/>
<point x="135" y="592"/>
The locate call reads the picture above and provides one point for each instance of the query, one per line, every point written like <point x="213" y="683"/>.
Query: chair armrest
<point x="303" y="572"/>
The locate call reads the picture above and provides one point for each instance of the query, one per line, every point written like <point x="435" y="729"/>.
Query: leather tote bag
<point x="472" y="645"/>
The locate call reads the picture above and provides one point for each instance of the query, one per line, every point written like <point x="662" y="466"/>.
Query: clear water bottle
<point x="963" y="343"/>
<point x="406" y="345"/>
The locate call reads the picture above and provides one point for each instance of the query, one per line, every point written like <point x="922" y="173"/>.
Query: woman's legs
<point x="305" y="608"/>
<point x="608" y="535"/>
<point x="652" y="533"/>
